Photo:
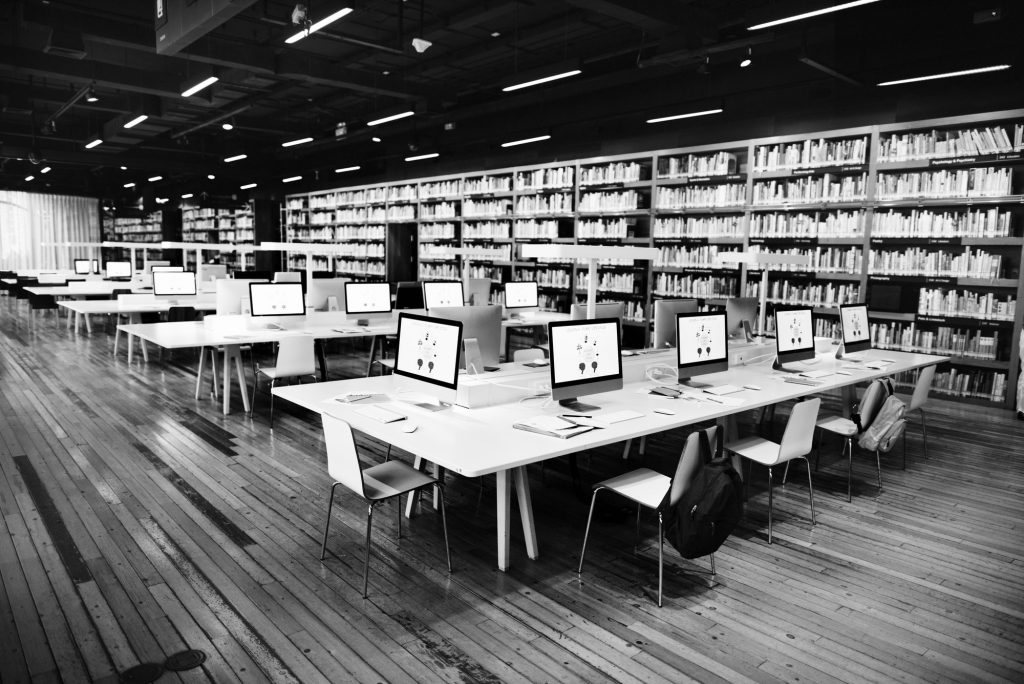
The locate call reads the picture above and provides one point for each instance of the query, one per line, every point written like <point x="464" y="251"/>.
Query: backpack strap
<point x="707" y="452"/>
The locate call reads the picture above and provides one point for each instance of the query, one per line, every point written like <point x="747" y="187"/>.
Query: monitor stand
<point x="852" y="358"/>
<point x="779" y="367"/>
<point x="690" y="382"/>
<point x="421" y="401"/>
<point x="577" y="406"/>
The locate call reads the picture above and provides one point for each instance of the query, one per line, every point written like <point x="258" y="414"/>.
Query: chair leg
<point x="848" y="447"/>
<point x="255" y="386"/>
<point x="878" y="468"/>
<point x="444" y="524"/>
<point x="273" y="381"/>
<point x="661" y="557"/>
<point x="924" y="435"/>
<point x="785" y="474"/>
<point x="366" y="565"/>
<point x="769" y="504"/>
<point x="817" y="451"/>
<point x="626" y="448"/>
<point x="586" y="532"/>
<point x="327" y="525"/>
<point x="810" y="487"/>
<point x="636" y="539"/>
<point x="399" y="509"/>
<point x="713" y="573"/>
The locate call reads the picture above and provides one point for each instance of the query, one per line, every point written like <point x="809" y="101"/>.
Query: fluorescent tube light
<point x="291" y="179"/>
<point x="393" y="117"/>
<point x="347" y="168"/>
<point x="129" y="185"/>
<point x="422" y="156"/>
<point x="690" y="115"/>
<point x="45" y="169"/>
<point x="316" y="26"/>
<point x="247" y="186"/>
<point x="808" y="15"/>
<point x="524" y="141"/>
<point x="948" y="74"/>
<point x="94" y="143"/>
<point x="136" y="121"/>
<point x="237" y="157"/>
<point x="187" y="195"/>
<point x="208" y="81"/>
<point x="538" y="81"/>
<point x="375" y="139"/>
<point x="154" y="179"/>
<point x="30" y="178"/>
<point x="300" y="141"/>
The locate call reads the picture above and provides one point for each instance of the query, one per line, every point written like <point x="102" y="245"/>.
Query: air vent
<point x="65" y="43"/>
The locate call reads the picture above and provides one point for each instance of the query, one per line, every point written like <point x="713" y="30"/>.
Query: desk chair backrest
<point x="342" y="459"/>
<point x="177" y="314"/>
<point x="295" y="356"/>
<point x="578" y="312"/>
<point x="689" y="461"/>
<point x="921" y="389"/>
<point x="798" y="439"/>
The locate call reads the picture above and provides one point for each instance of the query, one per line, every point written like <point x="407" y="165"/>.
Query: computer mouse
<point x="409" y="427"/>
<point x="627" y="352"/>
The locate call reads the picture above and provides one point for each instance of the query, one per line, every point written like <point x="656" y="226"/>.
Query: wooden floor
<point x="136" y="522"/>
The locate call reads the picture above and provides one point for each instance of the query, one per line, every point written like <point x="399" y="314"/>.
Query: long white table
<point x="82" y="309"/>
<point x="477" y="442"/>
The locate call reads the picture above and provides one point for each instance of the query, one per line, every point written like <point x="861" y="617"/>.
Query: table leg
<point x="226" y="385"/>
<point x="236" y="354"/>
<point x="373" y="350"/>
<point x="70" y="314"/>
<point x="200" y="369"/>
<point x="504" y="495"/>
<point x="414" y="497"/>
<point x="526" y="512"/>
<point x="88" y="324"/>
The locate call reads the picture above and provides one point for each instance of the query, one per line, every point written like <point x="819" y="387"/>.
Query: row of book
<point x="914" y="261"/>
<point x="440" y="189"/>
<point x="493" y="273"/>
<point x="486" y="185"/>
<point x="611" y="281"/>
<point x="810" y="153"/>
<point x="822" y="259"/>
<point x="554" y="203"/>
<point x="602" y="228"/>
<point x="541" y="179"/>
<point x="617" y="172"/>
<point x="432" y="270"/>
<point x="966" y="304"/>
<point x="682" y="285"/>
<point x="803" y="293"/>
<point x="495" y="230"/>
<point x="730" y="226"/>
<point x="439" y="210"/>
<point x="628" y="200"/>
<point x="828" y="187"/>
<point x="437" y="231"/>
<point x="945" y="183"/>
<point x="547" y="277"/>
<point x="962" y="382"/>
<point x="698" y="165"/>
<point x="361" y="250"/>
<point x="696" y="256"/>
<point x="683" y="197"/>
<point x="934" y="144"/>
<point x="298" y="262"/>
<point x="310" y="234"/>
<point x="534" y="229"/>
<point x="483" y="250"/>
<point x="486" y="208"/>
<point x="827" y="224"/>
<point x="943" y="340"/>
<point x="240" y="235"/>
<point x="925" y="223"/>
<point x="402" y="193"/>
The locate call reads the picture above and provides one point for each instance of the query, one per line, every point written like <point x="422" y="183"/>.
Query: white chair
<point x="650" y="489"/>
<point x="847" y="430"/>
<point x="917" y="401"/>
<point x="295" y="358"/>
<point x="375" y="484"/>
<point x="797" y="442"/>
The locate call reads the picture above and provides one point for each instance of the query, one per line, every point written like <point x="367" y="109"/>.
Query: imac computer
<point x="480" y="323"/>
<point x="427" y="360"/>
<point x="442" y="293"/>
<point x="273" y="300"/>
<point x="119" y="270"/>
<point x="320" y="291"/>
<point x="367" y="301"/>
<point x="174" y="284"/>
<point x="521" y="296"/>
<point x="83" y="267"/>
<point x="479" y="291"/>
<point x="585" y="360"/>
<point x="154" y="263"/>
<point x="166" y="269"/>
<point x="794" y="336"/>
<point x="703" y="346"/>
<point x="288" y="276"/>
<point x="741" y="315"/>
<point x="665" y="312"/>
<point x="233" y="297"/>
<point x="853" y="319"/>
<point x="409" y="295"/>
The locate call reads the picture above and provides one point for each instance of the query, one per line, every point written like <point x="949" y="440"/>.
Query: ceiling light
<point x="237" y="157"/>
<point x="45" y="169"/>
<point x="393" y="117"/>
<point x="161" y="200"/>
<point x="94" y="143"/>
<point x="227" y="125"/>
<point x="124" y="168"/>
<point x="375" y="139"/>
<point x="208" y="81"/>
<point x="210" y="176"/>
<point x="346" y="169"/>
<point x="291" y="179"/>
<point x="136" y="121"/>
<point x="524" y="141"/>
<point x="247" y="186"/>
<point x="748" y="60"/>
<point x="422" y="156"/>
<point x="808" y="15"/>
<point x="187" y="195"/>
<point x="129" y="185"/>
<point x="300" y="141"/>
<point x="91" y="95"/>
<point x="154" y="179"/>
<point x="421" y="45"/>
<point x="317" y="25"/>
<point x="29" y="178"/>
<point x="689" y="115"/>
<point x="543" y="79"/>
<point x="495" y="34"/>
<point x="948" y="74"/>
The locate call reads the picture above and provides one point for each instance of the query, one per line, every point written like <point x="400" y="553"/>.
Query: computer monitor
<point x="741" y="314"/>
<point x="853" y="319"/>
<point x="233" y="296"/>
<point x="703" y="346"/>
<point x="209" y="272"/>
<point x="479" y="290"/>
<point x="166" y="269"/>
<point x="366" y="301"/>
<point x="427" y="359"/>
<point x="288" y="277"/>
<point x="665" y="311"/>
<point x="319" y="292"/>
<point x="409" y="295"/>
<point x="480" y="323"/>
<point x="521" y="295"/>
<point x="442" y="293"/>
<point x="83" y="267"/>
<point x="578" y="312"/>
<point x="119" y="269"/>
<point x="584" y="360"/>
<point x="277" y="299"/>
<point x="794" y="335"/>
<point x="155" y="262"/>
<point x="171" y="284"/>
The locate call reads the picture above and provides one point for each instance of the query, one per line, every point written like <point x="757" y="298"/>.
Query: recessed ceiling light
<point x="210" y="176"/>
<point x="187" y="195"/>
<point x="418" y="157"/>
<point x="748" y="60"/>
<point x="808" y="15"/>
<point x="317" y="25"/>
<point x="94" y="143"/>
<point x="129" y="185"/>
<point x="227" y="125"/>
<point x="525" y="141"/>
<point x="544" y="79"/>
<point x="375" y="139"/>
<point x="136" y="121"/>
<point x="237" y="157"/>
<point x="45" y="169"/>
<point x="386" y="119"/>
<point x="247" y="186"/>
<point x="154" y="179"/>
<point x="948" y="74"/>
<point x="124" y="168"/>
<point x="299" y="141"/>
<point x="208" y="81"/>
<point x="291" y="179"/>
<point x="688" y="115"/>
<point x="495" y="34"/>
<point x="29" y="178"/>
<point x="346" y="169"/>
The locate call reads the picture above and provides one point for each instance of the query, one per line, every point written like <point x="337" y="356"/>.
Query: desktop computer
<point x="427" y="360"/>
<point x="665" y="312"/>
<point x="273" y="302"/>
<point x="856" y="335"/>
<point x="585" y="360"/>
<point x="794" y="337"/>
<point x="702" y="346"/>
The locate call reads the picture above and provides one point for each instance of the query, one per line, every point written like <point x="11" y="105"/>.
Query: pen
<point x="352" y="400"/>
<point x="573" y="415"/>
<point x="717" y="401"/>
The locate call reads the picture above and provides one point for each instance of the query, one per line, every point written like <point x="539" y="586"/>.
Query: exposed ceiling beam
<point x="84" y="72"/>
<point x="656" y="17"/>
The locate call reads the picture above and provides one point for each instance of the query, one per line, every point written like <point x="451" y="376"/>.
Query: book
<point x="552" y="426"/>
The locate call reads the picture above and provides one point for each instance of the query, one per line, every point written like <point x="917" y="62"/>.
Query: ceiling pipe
<point x="209" y="122"/>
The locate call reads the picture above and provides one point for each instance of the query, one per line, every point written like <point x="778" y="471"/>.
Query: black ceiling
<point x="638" y="60"/>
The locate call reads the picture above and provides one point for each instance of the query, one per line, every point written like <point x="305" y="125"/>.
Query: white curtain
<point x="35" y="228"/>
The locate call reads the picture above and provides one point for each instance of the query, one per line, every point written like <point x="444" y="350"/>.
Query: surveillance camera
<point x="421" y="45"/>
<point x="299" y="14"/>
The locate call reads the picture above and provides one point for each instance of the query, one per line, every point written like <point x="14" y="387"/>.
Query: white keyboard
<point x="379" y="413"/>
<point x="723" y="389"/>
<point x="816" y="373"/>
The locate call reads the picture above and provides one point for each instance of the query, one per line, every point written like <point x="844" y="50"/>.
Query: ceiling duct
<point x="65" y="43"/>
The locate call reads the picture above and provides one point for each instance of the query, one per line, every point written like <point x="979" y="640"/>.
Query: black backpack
<point x="711" y="504"/>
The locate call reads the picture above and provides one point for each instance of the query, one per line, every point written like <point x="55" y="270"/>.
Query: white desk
<point x="82" y="309"/>
<point x="97" y="288"/>
<point x="476" y="442"/>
